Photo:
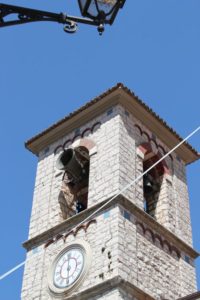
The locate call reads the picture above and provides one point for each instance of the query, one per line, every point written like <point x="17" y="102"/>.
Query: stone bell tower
<point x="138" y="245"/>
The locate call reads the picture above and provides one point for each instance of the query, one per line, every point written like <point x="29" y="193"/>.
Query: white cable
<point x="12" y="270"/>
<point x="112" y="198"/>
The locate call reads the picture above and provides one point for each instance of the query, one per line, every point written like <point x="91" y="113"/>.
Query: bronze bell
<point x="148" y="184"/>
<point x="67" y="161"/>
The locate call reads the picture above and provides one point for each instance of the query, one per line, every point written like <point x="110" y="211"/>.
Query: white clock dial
<point x="68" y="268"/>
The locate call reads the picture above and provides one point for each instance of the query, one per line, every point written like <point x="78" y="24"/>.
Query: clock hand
<point x="68" y="269"/>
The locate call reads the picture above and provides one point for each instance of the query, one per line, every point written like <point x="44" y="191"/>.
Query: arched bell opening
<point x="152" y="183"/>
<point x="73" y="197"/>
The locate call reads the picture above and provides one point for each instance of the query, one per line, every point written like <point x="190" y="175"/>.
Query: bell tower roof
<point x="119" y="94"/>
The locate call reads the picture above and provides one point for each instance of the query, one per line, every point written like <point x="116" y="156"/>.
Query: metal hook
<point x="71" y="27"/>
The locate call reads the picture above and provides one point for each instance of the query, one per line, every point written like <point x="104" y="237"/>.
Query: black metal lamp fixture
<point x="102" y="11"/>
<point x="94" y="12"/>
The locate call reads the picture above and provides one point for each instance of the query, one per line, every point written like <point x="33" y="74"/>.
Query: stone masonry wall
<point x="149" y="265"/>
<point x="104" y="165"/>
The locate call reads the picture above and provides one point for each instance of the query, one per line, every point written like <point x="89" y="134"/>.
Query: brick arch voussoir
<point x="140" y="225"/>
<point x="174" y="249"/>
<point x="145" y="148"/>
<point x="89" y="144"/>
<point x="58" y="149"/>
<point x="168" y="245"/>
<point x="151" y="233"/>
<point x="156" y="236"/>
<point x="164" y="164"/>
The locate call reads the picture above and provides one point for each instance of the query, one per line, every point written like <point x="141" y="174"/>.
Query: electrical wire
<point x="12" y="270"/>
<point x="112" y="198"/>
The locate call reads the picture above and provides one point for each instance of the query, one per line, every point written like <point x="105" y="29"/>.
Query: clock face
<point x="68" y="268"/>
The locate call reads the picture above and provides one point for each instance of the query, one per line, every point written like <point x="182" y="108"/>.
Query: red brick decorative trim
<point x="80" y="136"/>
<point x="167" y="244"/>
<point x="118" y="86"/>
<point x="151" y="233"/>
<point x="85" y="142"/>
<point x="73" y="232"/>
<point x="146" y="148"/>
<point x="150" y="140"/>
<point x="157" y="236"/>
<point x="163" y="242"/>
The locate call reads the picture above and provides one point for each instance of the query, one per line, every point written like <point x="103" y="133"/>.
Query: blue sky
<point x="153" y="48"/>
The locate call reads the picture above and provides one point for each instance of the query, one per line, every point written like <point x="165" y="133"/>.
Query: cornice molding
<point x="109" y="285"/>
<point x="63" y="128"/>
<point x="72" y="222"/>
<point x="195" y="296"/>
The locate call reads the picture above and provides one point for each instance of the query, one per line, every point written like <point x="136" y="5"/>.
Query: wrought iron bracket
<point x="15" y="15"/>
